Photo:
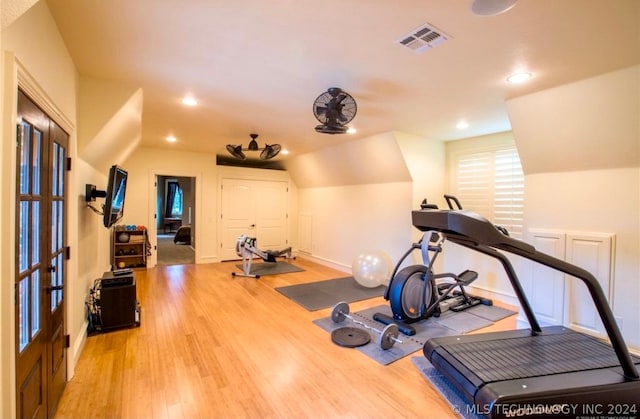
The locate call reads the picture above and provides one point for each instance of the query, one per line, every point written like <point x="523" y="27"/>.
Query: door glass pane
<point x="37" y="159"/>
<point x="54" y="171"/>
<point x="54" y="230"/>
<point x="23" y="240"/>
<point x="61" y="167"/>
<point x="35" y="233"/>
<point x="35" y="303"/>
<point x="23" y="313"/>
<point x="60" y="224"/>
<point x="24" y="158"/>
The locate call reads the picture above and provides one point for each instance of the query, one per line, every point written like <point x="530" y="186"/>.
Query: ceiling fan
<point x="267" y="152"/>
<point x="334" y="109"/>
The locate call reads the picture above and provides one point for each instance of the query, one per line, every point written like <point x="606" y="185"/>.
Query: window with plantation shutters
<point x="491" y="183"/>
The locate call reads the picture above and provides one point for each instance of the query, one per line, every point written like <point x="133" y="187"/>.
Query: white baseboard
<point x="76" y="350"/>
<point x="495" y="295"/>
<point x="325" y="262"/>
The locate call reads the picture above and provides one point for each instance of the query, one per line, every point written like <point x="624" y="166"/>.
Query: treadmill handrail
<point x="475" y="232"/>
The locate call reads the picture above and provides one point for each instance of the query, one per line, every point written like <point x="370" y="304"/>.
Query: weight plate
<point x="350" y="337"/>
<point x="388" y="336"/>
<point x="339" y="312"/>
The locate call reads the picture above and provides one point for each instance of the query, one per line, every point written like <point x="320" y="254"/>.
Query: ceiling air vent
<point x="423" y="38"/>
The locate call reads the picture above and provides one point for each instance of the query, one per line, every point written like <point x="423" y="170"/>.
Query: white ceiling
<point x="258" y="65"/>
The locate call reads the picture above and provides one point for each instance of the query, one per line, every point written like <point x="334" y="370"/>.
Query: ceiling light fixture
<point x="267" y="152"/>
<point x="171" y="139"/>
<point x="189" y="101"/>
<point x="462" y="125"/>
<point x="491" y="7"/>
<point x="519" y="77"/>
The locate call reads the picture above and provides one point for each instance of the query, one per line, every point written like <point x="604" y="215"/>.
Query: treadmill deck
<point x="533" y="356"/>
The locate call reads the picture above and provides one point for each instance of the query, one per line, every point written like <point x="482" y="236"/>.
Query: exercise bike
<point x="416" y="293"/>
<point x="247" y="249"/>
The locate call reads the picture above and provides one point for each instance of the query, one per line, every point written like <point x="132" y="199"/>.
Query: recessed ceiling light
<point x="351" y="130"/>
<point x="189" y="101"/>
<point x="462" y="125"/>
<point x="491" y="7"/>
<point x="519" y="77"/>
<point x="171" y="139"/>
<point x="284" y="151"/>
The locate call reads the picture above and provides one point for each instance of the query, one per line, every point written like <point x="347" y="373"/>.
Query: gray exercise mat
<point x="323" y="294"/>
<point x="461" y="407"/>
<point x="272" y="268"/>
<point x="448" y="324"/>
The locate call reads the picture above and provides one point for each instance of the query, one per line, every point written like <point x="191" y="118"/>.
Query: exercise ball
<point x="372" y="268"/>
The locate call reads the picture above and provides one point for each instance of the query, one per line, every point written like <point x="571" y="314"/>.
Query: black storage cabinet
<point x="118" y="301"/>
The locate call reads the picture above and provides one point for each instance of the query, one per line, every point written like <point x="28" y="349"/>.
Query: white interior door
<point x="254" y="208"/>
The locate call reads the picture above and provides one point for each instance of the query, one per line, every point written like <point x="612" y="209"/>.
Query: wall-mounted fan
<point x="334" y="109"/>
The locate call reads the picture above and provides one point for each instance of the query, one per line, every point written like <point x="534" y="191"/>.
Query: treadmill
<point x="536" y="372"/>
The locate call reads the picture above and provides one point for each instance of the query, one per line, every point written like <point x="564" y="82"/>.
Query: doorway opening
<point x="175" y="219"/>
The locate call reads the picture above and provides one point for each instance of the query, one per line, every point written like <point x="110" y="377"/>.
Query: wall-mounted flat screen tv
<point x="116" y="191"/>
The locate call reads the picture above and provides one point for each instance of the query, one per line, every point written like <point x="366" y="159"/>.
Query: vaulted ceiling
<point x="258" y="65"/>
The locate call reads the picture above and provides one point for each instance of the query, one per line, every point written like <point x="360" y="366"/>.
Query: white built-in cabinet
<point x="560" y="299"/>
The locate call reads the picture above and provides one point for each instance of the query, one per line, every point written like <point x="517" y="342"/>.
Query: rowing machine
<point x="247" y="249"/>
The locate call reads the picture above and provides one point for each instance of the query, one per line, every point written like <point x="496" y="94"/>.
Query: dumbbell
<point x="387" y="336"/>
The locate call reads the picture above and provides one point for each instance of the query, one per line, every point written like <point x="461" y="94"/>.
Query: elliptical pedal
<point x="465" y="304"/>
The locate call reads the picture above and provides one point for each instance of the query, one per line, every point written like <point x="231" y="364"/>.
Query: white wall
<point x="580" y="147"/>
<point x="370" y="160"/>
<point x="367" y="205"/>
<point x="586" y="125"/>
<point x="92" y="249"/>
<point x="349" y="220"/>
<point x="144" y="164"/>
<point x="110" y="121"/>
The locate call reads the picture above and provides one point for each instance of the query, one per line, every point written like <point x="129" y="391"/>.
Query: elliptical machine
<point x="416" y="293"/>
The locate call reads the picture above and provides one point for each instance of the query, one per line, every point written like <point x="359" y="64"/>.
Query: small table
<point x="170" y="223"/>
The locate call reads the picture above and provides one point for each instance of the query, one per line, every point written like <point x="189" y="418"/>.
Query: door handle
<point x="49" y="288"/>
<point x="252" y="226"/>
<point x="51" y="268"/>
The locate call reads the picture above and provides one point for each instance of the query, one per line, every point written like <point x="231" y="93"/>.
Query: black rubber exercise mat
<point x="324" y="294"/>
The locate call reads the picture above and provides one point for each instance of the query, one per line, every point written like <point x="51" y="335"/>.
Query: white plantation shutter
<point x="475" y="182"/>
<point x="508" y="194"/>
<point x="491" y="183"/>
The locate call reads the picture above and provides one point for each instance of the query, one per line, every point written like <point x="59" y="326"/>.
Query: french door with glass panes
<point x="40" y="262"/>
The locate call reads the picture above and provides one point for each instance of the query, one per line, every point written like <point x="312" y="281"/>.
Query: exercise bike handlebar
<point x="435" y="249"/>
<point x="450" y="199"/>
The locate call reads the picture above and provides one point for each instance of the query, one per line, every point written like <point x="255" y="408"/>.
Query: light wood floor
<point x="214" y="346"/>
